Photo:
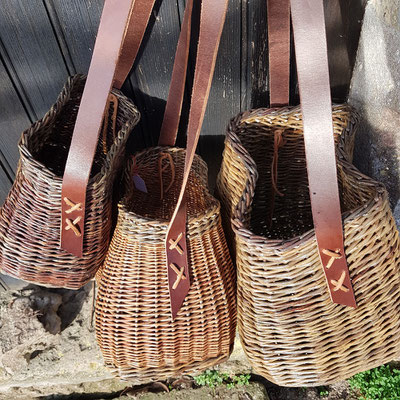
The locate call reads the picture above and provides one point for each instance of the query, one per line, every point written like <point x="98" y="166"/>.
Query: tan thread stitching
<point x="175" y="244"/>
<point x="74" y="206"/>
<point x="339" y="284"/>
<point x="179" y="275"/>
<point x="72" y="225"/>
<point x="335" y="255"/>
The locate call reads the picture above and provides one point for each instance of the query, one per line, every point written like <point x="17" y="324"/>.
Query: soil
<point x="48" y="351"/>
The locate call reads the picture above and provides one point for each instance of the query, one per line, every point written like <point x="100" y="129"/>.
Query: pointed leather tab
<point x="177" y="261"/>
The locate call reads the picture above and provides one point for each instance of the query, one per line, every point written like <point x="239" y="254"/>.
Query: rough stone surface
<point x="48" y="346"/>
<point x="375" y="92"/>
<point x="254" y="391"/>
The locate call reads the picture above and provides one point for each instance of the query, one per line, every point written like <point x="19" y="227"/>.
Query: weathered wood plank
<point x="343" y="23"/>
<point x="28" y="38"/>
<point x="77" y="21"/>
<point x="343" y="26"/>
<point x="13" y="120"/>
<point x="5" y="185"/>
<point x="225" y="94"/>
<point x="255" y="61"/>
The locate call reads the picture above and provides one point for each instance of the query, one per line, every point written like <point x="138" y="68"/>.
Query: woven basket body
<point x="133" y="315"/>
<point x="291" y="331"/>
<point x="256" y="141"/>
<point x="30" y="218"/>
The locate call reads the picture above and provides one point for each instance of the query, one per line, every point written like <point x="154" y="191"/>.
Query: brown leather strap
<point x="139" y="19"/>
<point x="279" y="51"/>
<point x="313" y="76"/>
<point x="173" y="108"/>
<point x="212" y="20"/>
<point x="110" y="37"/>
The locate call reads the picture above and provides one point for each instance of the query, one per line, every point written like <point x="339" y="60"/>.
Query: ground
<point x="48" y="350"/>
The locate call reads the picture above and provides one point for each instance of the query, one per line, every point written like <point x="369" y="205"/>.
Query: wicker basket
<point x="250" y="137"/>
<point x="138" y="340"/>
<point x="292" y="333"/>
<point x="31" y="215"/>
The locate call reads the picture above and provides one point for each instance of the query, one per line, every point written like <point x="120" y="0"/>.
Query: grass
<point x="382" y="383"/>
<point x="214" y="378"/>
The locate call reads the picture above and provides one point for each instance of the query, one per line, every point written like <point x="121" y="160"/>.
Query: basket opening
<point x="285" y="212"/>
<point x="155" y="205"/>
<point x="51" y="142"/>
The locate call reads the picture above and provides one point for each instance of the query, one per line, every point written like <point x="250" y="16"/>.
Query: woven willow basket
<point x="138" y="340"/>
<point x="291" y="331"/>
<point x="253" y="138"/>
<point x="30" y="218"/>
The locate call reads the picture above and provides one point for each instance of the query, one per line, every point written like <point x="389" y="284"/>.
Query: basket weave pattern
<point x="30" y="218"/>
<point x="139" y="341"/>
<point x="251" y="145"/>
<point x="291" y="331"/>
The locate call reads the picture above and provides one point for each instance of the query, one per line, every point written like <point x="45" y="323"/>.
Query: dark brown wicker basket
<point x="30" y="218"/>
<point x="292" y="333"/>
<point x="138" y="340"/>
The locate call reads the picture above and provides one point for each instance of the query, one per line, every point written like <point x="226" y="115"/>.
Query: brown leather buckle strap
<point x="114" y="29"/>
<point x="313" y="76"/>
<point x="212" y="20"/>
<point x="278" y="12"/>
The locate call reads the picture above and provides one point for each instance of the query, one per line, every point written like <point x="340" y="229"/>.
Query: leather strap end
<point x="313" y="76"/>
<point x="337" y="277"/>
<point x="177" y="261"/>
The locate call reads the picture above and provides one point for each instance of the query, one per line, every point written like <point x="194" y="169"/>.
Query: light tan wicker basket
<point x="30" y="218"/>
<point x="250" y="143"/>
<point x="138" y="340"/>
<point x="291" y="331"/>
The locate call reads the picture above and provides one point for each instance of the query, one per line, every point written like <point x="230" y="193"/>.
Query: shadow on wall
<point x="375" y="94"/>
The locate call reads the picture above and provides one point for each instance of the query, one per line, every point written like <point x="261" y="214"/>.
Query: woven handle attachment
<point x="122" y="26"/>
<point x="313" y="75"/>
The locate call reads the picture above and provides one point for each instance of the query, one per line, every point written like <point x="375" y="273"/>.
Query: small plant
<point x="323" y="391"/>
<point x="382" y="383"/>
<point x="213" y="378"/>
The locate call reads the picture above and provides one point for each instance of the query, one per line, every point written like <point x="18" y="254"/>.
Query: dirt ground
<point x="48" y="351"/>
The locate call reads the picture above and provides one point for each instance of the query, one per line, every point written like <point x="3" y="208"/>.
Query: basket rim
<point x="213" y="209"/>
<point x="54" y="111"/>
<point x="236" y="143"/>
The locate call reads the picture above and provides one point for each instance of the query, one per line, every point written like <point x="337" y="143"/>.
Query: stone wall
<point x="375" y="92"/>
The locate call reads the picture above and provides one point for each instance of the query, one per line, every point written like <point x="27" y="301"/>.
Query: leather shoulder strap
<point x="313" y="76"/>
<point x="139" y="19"/>
<point x="212" y="20"/>
<point x="279" y="51"/>
<point x="173" y="108"/>
<point x="107" y="49"/>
